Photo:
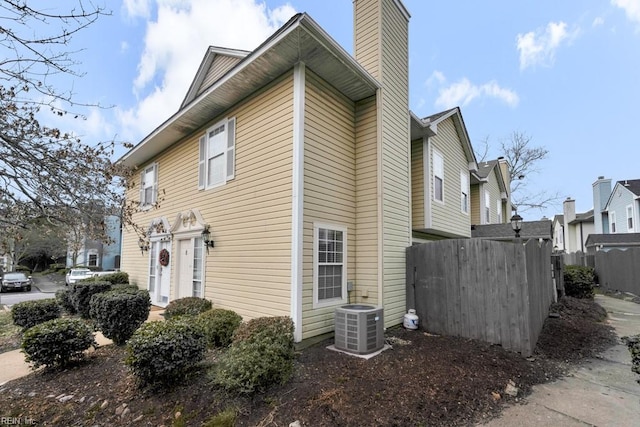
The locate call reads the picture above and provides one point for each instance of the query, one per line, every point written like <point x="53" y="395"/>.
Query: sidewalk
<point x="46" y="285"/>
<point x="602" y="392"/>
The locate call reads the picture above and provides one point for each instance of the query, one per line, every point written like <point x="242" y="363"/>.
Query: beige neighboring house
<point x="442" y="166"/>
<point x="491" y="193"/>
<point x="295" y="157"/>
<point x="576" y="227"/>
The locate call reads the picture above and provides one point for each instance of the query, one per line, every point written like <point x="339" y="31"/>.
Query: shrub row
<point x="188" y="306"/>
<point x="579" y="281"/>
<point x="118" y="313"/>
<point x="27" y="314"/>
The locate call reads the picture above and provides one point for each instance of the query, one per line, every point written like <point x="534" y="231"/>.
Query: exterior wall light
<point x="143" y="244"/>
<point x="206" y="238"/>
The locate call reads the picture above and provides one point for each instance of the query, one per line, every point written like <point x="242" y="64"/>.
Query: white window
<point x="499" y="210"/>
<point x="217" y="155"/>
<point x="612" y="222"/>
<point x="149" y="185"/>
<point x="464" y="191"/>
<point x="93" y="260"/>
<point x="330" y="264"/>
<point x="438" y="176"/>
<point x="630" y="217"/>
<point x="197" y="267"/>
<point x="487" y="207"/>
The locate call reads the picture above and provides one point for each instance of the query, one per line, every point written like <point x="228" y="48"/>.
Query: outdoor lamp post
<point x="206" y="238"/>
<point x="516" y="224"/>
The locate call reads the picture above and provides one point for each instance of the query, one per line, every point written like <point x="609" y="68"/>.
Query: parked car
<point x="76" y="274"/>
<point x="16" y="281"/>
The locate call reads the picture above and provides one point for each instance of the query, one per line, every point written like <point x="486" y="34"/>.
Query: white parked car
<point x="76" y="274"/>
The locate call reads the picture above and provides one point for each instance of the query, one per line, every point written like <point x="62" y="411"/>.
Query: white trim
<point x="203" y="181"/>
<point x="335" y="301"/>
<point x="435" y="152"/>
<point x="612" y="222"/>
<point x="297" y="199"/>
<point x="426" y="181"/>
<point x="486" y="219"/>
<point x="380" y="196"/>
<point x="464" y="189"/>
<point x="633" y="221"/>
<point x="144" y="203"/>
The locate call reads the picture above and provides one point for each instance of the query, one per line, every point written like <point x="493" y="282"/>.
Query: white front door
<point x="159" y="275"/>
<point x="190" y="268"/>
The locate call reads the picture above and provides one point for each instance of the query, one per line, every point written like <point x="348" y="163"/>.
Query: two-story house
<point x="442" y="166"/>
<point x="292" y="162"/>
<point x="491" y="193"/>
<point x="575" y="228"/>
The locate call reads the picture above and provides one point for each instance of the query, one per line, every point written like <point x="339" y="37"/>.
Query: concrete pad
<point x="13" y="366"/>
<point x="533" y="414"/>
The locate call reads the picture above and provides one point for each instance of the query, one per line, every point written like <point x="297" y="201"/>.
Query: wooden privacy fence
<point x="492" y="291"/>
<point x="619" y="269"/>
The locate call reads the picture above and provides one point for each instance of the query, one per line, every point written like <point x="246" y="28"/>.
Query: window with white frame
<point x="487" y="207"/>
<point x="612" y="222"/>
<point x="438" y="176"/>
<point x="149" y="185"/>
<point x="464" y="191"/>
<point x="217" y="155"/>
<point x="630" y="217"/>
<point x="329" y="267"/>
<point x="93" y="259"/>
<point x="499" y="210"/>
<point x="197" y="267"/>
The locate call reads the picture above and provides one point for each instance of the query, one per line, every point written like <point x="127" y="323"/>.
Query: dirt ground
<point x="422" y="380"/>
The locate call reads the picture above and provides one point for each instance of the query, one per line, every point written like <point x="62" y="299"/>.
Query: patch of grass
<point x="226" y="418"/>
<point x="10" y="334"/>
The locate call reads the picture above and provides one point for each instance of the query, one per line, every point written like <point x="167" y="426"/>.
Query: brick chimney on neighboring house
<point x="601" y="193"/>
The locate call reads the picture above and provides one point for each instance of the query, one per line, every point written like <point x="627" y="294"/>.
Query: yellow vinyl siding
<point x="417" y="184"/>
<point x="396" y="148"/>
<point x="475" y="204"/>
<point x="366" y="236"/>
<point x="221" y="64"/>
<point x="249" y="270"/>
<point x="367" y="31"/>
<point x="448" y="216"/>
<point x="329" y="186"/>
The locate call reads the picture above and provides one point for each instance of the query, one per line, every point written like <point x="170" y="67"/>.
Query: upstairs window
<point x="630" y="217"/>
<point x="487" y="207"/>
<point x="438" y="176"/>
<point x="612" y="222"/>
<point x="149" y="185"/>
<point x="217" y="155"/>
<point x="464" y="191"/>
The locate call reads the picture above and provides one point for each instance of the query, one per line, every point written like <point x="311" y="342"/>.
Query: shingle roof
<point x="530" y="230"/>
<point x="583" y="217"/>
<point x="632" y="185"/>
<point x="436" y="116"/>
<point x="617" y="239"/>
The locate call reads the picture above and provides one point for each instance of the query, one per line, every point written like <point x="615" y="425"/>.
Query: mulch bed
<point x="422" y="380"/>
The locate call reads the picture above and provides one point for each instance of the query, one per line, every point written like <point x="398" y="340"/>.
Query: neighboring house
<point x="541" y="230"/>
<point x="295" y="158"/>
<point x="442" y="162"/>
<point x="576" y="228"/>
<point x="606" y="242"/>
<point x="100" y="254"/>
<point x="490" y="193"/>
<point x="558" y="233"/>
<point x="618" y="209"/>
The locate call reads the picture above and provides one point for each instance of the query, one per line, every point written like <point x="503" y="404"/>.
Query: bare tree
<point x="44" y="171"/>
<point x="524" y="162"/>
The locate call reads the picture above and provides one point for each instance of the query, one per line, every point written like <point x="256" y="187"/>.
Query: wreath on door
<point x="164" y="257"/>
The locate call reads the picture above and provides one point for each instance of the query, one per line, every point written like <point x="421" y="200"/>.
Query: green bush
<point x="188" y="306"/>
<point x="633" y="344"/>
<point x="219" y="325"/>
<point x="126" y="288"/>
<point x="80" y="294"/>
<point x="63" y="297"/>
<point x="118" y="313"/>
<point x="161" y="352"/>
<point x="260" y="355"/>
<point x="579" y="281"/>
<point x="30" y="313"/>
<point x="116" y="278"/>
<point x="57" y="343"/>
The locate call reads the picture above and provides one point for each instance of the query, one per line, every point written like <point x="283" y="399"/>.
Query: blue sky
<point x="565" y="73"/>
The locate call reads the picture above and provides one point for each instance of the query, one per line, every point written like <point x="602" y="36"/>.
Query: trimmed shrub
<point x="63" y="297"/>
<point x="218" y="326"/>
<point x="579" y="281"/>
<point x="260" y="355"/>
<point x="80" y="295"/>
<point x="57" y="343"/>
<point x="160" y="352"/>
<point x="188" y="306"/>
<point x="633" y="344"/>
<point x="126" y="288"/>
<point x="116" y="278"/>
<point x="30" y="313"/>
<point x="118" y="313"/>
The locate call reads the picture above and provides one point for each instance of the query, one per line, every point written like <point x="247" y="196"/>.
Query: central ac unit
<point x="359" y="328"/>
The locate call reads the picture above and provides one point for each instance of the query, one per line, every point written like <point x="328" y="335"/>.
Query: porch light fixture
<point x="143" y="244"/>
<point x="516" y="224"/>
<point x="206" y="238"/>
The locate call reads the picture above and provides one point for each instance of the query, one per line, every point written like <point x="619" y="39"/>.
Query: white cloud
<point x="137" y="8"/>
<point x="175" y="41"/>
<point x="630" y="7"/>
<point x="463" y="92"/>
<point x="598" y="22"/>
<point x="539" y="47"/>
<point x="436" y="78"/>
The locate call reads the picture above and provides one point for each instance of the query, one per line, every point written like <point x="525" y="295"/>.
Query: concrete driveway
<point x="602" y="392"/>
